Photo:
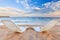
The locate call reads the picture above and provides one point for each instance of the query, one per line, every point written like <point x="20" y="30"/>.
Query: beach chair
<point x="10" y="25"/>
<point x="49" y="25"/>
<point x="50" y="31"/>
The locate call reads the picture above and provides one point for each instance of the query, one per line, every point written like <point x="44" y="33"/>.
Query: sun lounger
<point x="10" y="25"/>
<point x="50" y="31"/>
<point x="50" y="25"/>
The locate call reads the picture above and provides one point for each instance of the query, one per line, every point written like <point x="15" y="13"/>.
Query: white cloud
<point x="25" y="4"/>
<point x="8" y="11"/>
<point x="47" y="4"/>
<point x="16" y="12"/>
<point x="53" y="5"/>
<point x="17" y="1"/>
<point x="36" y="8"/>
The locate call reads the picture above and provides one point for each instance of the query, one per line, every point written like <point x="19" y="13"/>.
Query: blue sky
<point x="39" y="3"/>
<point x="13" y="3"/>
<point x="29" y="5"/>
<point x="10" y="3"/>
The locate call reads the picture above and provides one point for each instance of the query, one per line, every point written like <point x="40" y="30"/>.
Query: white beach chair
<point x="10" y="25"/>
<point x="50" y="31"/>
<point x="50" y="25"/>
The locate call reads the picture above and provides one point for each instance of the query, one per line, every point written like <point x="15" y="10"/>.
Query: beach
<point x="29" y="34"/>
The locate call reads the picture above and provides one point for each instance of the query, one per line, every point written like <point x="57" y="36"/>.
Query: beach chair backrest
<point x="10" y="25"/>
<point x="49" y="25"/>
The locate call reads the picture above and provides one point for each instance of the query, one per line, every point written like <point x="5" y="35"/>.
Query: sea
<point x="30" y="20"/>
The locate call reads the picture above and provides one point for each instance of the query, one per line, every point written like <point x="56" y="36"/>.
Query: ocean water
<point x="29" y="20"/>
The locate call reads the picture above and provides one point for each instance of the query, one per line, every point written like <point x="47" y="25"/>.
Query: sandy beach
<point x="30" y="34"/>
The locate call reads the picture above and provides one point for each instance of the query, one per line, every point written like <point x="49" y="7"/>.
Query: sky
<point x="32" y="6"/>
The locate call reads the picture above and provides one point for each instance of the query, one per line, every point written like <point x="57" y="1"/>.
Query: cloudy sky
<point x="42" y="7"/>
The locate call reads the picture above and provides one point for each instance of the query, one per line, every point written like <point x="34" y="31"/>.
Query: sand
<point x="30" y="34"/>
